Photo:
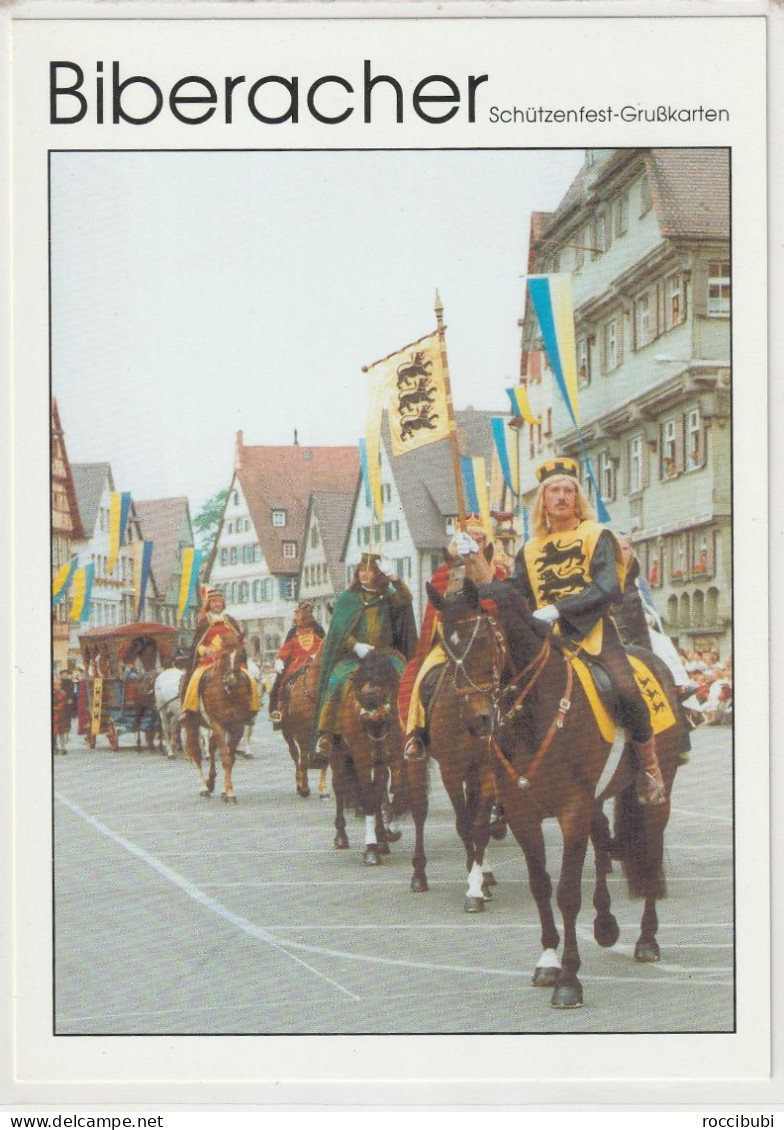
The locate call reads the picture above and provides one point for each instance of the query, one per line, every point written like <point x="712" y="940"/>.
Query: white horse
<point x="243" y="749"/>
<point x="167" y="703"/>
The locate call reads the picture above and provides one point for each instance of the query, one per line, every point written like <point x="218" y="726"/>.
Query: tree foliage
<point x="205" y="523"/>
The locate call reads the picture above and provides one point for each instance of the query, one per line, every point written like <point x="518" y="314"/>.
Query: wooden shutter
<point x="702" y="443"/>
<point x="700" y="290"/>
<point x="680" y="428"/>
<point x="624" y="483"/>
<point x="646" y="461"/>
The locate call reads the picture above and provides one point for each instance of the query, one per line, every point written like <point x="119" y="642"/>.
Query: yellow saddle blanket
<point x="650" y="688"/>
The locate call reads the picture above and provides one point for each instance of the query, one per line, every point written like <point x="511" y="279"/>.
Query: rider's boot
<point x="320" y="756"/>
<point x="416" y="747"/>
<point x="650" y="785"/>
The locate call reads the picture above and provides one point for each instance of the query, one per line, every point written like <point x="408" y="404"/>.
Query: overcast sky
<point x="194" y="294"/>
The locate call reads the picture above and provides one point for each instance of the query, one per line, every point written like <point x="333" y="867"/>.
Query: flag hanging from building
<point x="191" y="562"/>
<point x="82" y="593"/>
<point x="62" y="580"/>
<point x="415" y="386"/>
<point x="552" y="299"/>
<point x="364" y="468"/>
<point x="475" y="483"/>
<point x="518" y="397"/>
<point x="507" y="454"/>
<point x="119" y="509"/>
<point x="375" y="411"/>
<point x="142" y="562"/>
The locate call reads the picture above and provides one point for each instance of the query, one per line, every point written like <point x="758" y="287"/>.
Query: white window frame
<point x="692" y="429"/>
<point x="289" y="550"/>
<point x="635" y="463"/>
<point x="719" y="289"/>
<point x="279" y="519"/>
<point x="612" y="357"/>
<point x="642" y="320"/>
<point x="621" y="215"/>
<point x="606" y="477"/>
<point x="583" y="362"/>
<point x="675" y="294"/>
<point x="668" y="445"/>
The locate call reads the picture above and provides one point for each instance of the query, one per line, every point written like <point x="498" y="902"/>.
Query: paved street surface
<point x="180" y="915"/>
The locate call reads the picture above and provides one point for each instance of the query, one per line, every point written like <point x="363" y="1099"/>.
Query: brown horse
<point x="372" y="749"/>
<point x="552" y="762"/>
<point x="225" y="698"/>
<point x="461" y="711"/>
<point x="298" y="710"/>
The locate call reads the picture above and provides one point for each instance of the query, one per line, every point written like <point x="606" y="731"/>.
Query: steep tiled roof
<point x="425" y="478"/>
<point x="77" y="532"/>
<point x="90" y="480"/>
<point x="333" y="511"/>
<point x="161" y="521"/>
<point x="283" y="478"/>
<point x="691" y="191"/>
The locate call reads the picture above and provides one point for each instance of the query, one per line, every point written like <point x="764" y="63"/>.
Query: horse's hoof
<point x="302" y="791"/>
<point x="647" y="951"/>
<point x="419" y="884"/>
<point x="606" y="931"/>
<point x="382" y="848"/>
<point x="205" y="793"/>
<point x="473" y="905"/>
<point x="393" y="837"/>
<point x="341" y="841"/>
<point x="568" y="996"/>
<point x="487" y="893"/>
<point x="545" y="977"/>
<point x="371" y="855"/>
<point x="325" y="796"/>
<point x="229" y="798"/>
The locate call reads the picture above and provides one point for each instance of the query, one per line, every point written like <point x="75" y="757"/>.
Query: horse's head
<point x="476" y="652"/>
<point x="233" y="658"/>
<point x="375" y="684"/>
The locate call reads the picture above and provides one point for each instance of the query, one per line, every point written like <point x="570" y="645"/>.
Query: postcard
<point x="392" y="387"/>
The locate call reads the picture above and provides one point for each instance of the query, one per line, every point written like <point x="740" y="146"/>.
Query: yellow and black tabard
<point x="581" y="571"/>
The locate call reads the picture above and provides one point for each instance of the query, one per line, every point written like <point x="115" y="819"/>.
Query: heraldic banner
<point x="416" y="395"/>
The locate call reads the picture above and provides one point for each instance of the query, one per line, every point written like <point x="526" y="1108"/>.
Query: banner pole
<point x="461" y="506"/>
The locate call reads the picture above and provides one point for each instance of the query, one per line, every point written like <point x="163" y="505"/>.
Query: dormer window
<point x="289" y="549"/>
<point x="279" y="519"/>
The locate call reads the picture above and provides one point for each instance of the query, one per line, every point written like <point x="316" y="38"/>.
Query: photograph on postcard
<point x="392" y="591"/>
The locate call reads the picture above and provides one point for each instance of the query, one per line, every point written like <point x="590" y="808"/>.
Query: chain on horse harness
<point x="535" y="669"/>
<point x="458" y="662"/>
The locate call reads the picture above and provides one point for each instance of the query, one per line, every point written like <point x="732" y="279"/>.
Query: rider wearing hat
<point x="301" y="644"/>
<point x="571" y="571"/>
<point x="374" y="611"/>
<point x="213" y="627"/>
<point x="469" y="546"/>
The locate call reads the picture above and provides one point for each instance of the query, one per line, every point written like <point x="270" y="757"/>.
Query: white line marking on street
<point x="194" y="893"/>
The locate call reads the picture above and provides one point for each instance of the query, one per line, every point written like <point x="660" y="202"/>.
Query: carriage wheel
<point x="111" y="734"/>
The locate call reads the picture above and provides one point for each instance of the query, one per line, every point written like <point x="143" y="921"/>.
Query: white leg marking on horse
<point x="548" y="960"/>
<point x="475" y="879"/>
<point x="370" y="829"/>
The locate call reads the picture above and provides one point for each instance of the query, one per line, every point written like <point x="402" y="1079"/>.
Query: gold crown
<point x="561" y="465"/>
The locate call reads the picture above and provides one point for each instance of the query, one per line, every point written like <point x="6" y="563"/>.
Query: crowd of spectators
<point x="711" y="702"/>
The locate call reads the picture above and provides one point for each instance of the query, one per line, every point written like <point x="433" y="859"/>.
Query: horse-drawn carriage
<point x="117" y="693"/>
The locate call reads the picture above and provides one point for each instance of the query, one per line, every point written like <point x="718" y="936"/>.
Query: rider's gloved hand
<point x="548" y="615"/>
<point x="362" y="649"/>
<point x="279" y="665"/>
<point x="465" y="544"/>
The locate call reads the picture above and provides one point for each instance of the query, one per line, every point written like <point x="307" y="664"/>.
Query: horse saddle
<point x="603" y="698"/>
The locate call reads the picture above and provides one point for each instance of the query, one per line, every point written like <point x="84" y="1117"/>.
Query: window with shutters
<point x="694" y="440"/>
<point x="600" y="239"/>
<point x="719" y="289"/>
<point x="635" y="463"/>
<point x="675" y="301"/>
<point x="233" y="555"/>
<point x="703" y="553"/>
<point x="583" y="362"/>
<point x="612" y="345"/>
<point x="243" y="592"/>
<point x="621" y="215"/>
<point x="668" y="452"/>
<point x="642" y="321"/>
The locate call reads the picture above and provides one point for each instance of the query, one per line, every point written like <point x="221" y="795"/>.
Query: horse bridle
<point x="458" y="661"/>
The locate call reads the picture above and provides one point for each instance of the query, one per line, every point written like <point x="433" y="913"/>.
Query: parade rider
<point x="571" y="571"/>
<point x="213" y="627"/>
<point x="374" y="611"/>
<point x="469" y="546"/>
<point x="301" y="644"/>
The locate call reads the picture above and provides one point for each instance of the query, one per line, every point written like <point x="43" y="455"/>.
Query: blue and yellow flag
<point x="552" y="299"/>
<point x="82" y="593"/>
<point x="191" y="562"/>
<point x="366" y="482"/>
<point x="507" y="454"/>
<point x="119" y="509"/>
<point x="62" y="580"/>
<point x="518" y="397"/>
<point x="142" y="561"/>
<point x="475" y="483"/>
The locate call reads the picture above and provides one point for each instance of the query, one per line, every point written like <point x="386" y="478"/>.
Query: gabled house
<point x="644" y="234"/>
<point x="322" y="574"/>
<point x="259" y="545"/>
<point x="113" y="596"/>
<point x="66" y="530"/>
<point x="166" y="522"/>
<point x="420" y="503"/>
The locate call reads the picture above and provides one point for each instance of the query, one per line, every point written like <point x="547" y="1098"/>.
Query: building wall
<point x="315" y="583"/>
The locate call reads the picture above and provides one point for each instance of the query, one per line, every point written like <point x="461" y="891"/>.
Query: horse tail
<point x="631" y="840"/>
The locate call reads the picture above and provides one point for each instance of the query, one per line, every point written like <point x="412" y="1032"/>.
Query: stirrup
<point x="415" y="749"/>
<point x="649" y="791"/>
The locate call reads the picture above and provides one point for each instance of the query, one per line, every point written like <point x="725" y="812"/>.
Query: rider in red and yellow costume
<point x="301" y="644"/>
<point x="214" y="626"/>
